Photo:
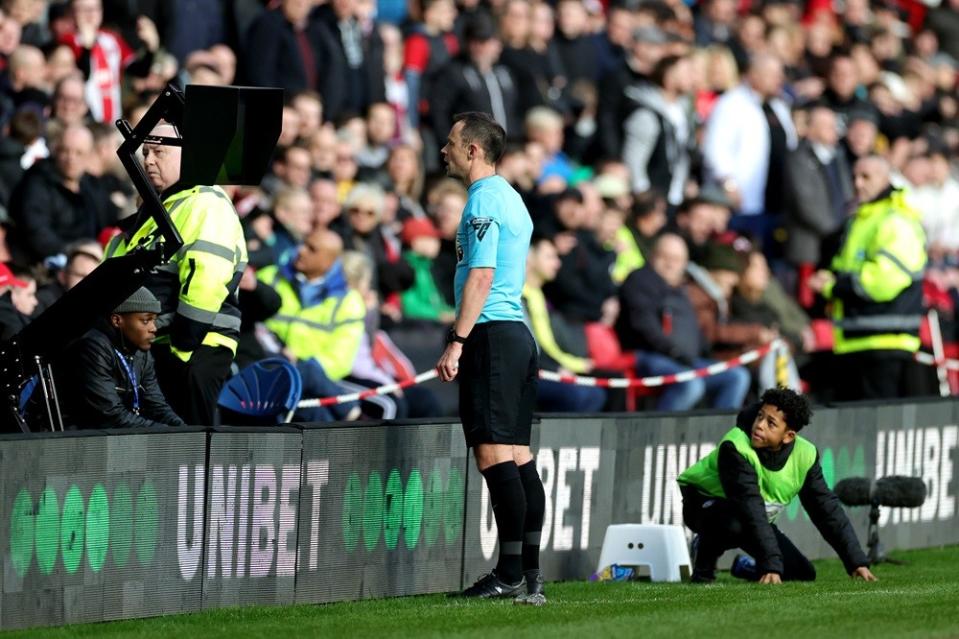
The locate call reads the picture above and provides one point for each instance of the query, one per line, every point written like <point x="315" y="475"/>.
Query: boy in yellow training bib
<point x="732" y="497"/>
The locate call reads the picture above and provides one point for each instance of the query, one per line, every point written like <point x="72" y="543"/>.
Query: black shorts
<point x="497" y="384"/>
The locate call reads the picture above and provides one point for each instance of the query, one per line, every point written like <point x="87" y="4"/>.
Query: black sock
<point x="535" y="509"/>
<point x="509" y="507"/>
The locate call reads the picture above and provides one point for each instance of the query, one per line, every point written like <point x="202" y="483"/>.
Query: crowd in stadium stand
<point x="692" y="169"/>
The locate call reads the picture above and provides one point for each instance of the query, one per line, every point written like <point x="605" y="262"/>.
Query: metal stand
<point x="876" y="554"/>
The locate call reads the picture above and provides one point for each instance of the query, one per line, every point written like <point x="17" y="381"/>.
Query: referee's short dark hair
<point x="481" y="129"/>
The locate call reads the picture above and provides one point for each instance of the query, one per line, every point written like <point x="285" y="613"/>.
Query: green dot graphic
<point x="393" y="509"/>
<point x="147" y="519"/>
<point x="843" y="462"/>
<point x="432" y="507"/>
<point x="21" y="532"/>
<point x="453" y="506"/>
<point x="352" y="511"/>
<point x="121" y="525"/>
<point x="828" y="463"/>
<point x="98" y="527"/>
<point x="47" y="535"/>
<point x="71" y="529"/>
<point x="373" y="511"/>
<point x="413" y="509"/>
<point x="858" y="466"/>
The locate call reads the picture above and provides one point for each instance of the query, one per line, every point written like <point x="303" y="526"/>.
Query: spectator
<point x="875" y="286"/>
<point x="584" y="283"/>
<point x="69" y="104"/>
<point x="820" y="190"/>
<point x="61" y="63"/>
<point x="739" y="144"/>
<point x="380" y="133"/>
<point x="57" y="202"/>
<point x="27" y="70"/>
<point x="82" y="258"/>
<point x="842" y="90"/>
<point x="107" y="377"/>
<point x="862" y="134"/>
<point x="574" y="42"/>
<point x="359" y="52"/>
<point x="648" y="47"/>
<point x="12" y="321"/>
<point x="309" y="106"/>
<point x="405" y="171"/>
<point x="258" y="302"/>
<point x="658" y="133"/>
<point x="423" y="301"/>
<point x="379" y="361"/>
<point x="320" y="322"/>
<point x="446" y="202"/>
<point x="710" y="289"/>
<point x="291" y="169"/>
<point x="427" y="50"/>
<point x="938" y="202"/>
<point x="284" y="48"/>
<point x="104" y="56"/>
<point x="294" y="221"/>
<point x="391" y="275"/>
<point x="327" y="212"/>
<point x="658" y="319"/>
<point x="477" y="83"/>
<point x="107" y="170"/>
<point x="545" y="127"/>
<point x="700" y="219"/>
<point x="542" y="266"/>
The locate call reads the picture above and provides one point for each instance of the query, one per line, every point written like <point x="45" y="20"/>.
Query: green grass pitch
<point x="920" y="599"/>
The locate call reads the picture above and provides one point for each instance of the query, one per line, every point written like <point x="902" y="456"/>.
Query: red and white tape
<point x="380" y="390"/>
<point x="602" y="382"/>
<point x="930" y="360"/>
<point x="663" y="380"/>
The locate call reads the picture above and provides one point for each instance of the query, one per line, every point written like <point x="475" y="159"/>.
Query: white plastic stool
<point x="661" y="548"/>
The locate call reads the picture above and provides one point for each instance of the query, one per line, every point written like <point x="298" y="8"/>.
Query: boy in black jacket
<point x="106" y="377"/>
<point x="733" y="495"/>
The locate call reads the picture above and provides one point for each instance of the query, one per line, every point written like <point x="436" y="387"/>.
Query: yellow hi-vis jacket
<point x="322" y="321"/>
<point x="197" y="287"/>
<point x="877" y="295"/>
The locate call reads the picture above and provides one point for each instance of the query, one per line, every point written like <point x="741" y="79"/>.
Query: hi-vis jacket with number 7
<point x="877" y="295"/>
<point x="197" y="287"/>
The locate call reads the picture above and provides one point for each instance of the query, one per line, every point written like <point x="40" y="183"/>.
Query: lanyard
<point x="133" y="380"/>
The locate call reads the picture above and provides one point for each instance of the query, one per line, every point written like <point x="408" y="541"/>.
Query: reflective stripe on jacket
<point x="324" y="327"/>
<point x="197" y="288"/>
<point x="877" y="296"/>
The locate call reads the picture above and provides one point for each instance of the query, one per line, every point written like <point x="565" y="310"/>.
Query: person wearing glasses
<point x="365" y="206"/>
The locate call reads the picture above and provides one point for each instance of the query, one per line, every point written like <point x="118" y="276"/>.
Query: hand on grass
<point x="771" y="578"/>
<point x="862" y="572"/>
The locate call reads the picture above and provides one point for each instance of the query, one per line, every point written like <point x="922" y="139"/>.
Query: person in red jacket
<point x="103" y="56"/>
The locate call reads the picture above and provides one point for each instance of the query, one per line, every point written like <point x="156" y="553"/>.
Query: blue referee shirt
<point x="494" y="233"/>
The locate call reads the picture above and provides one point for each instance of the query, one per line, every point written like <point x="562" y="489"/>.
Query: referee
<point x="491" y="352"/>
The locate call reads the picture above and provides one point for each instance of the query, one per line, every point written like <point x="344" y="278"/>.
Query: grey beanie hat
<point x="142" y="301"/>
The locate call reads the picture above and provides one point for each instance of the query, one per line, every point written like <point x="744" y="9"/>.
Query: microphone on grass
<point x="895" y="491"/>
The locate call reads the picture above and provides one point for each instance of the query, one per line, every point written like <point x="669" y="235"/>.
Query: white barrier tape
<point x="929" y="360"/>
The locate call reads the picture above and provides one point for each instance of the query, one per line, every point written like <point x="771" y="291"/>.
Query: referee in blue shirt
<point x="492" y="354"/>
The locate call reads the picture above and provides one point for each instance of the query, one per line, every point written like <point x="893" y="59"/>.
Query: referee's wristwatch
<point x="453" y="337"/>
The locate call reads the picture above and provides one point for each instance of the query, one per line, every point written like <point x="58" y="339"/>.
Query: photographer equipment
<point x="894" y="491"/>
